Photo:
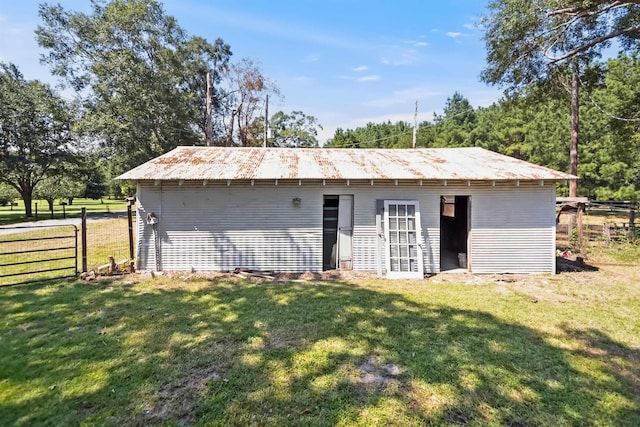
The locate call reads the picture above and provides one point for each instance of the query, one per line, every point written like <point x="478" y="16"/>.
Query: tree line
<point x="534" y="124"/>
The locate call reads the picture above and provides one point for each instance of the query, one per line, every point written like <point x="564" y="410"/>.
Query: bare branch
<point x="580" y="10"/>
<point x="592" y="43"/>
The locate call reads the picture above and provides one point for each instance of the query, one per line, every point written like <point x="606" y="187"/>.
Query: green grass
<point x="15" y="214"/>
<point x="535" y="350"/>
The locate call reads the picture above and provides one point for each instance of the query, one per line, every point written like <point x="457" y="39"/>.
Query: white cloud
<point x="405" y="96"/>
<point x="312" y="57"/>
<point x="401" y="56"/>
<point x="422" y="44"/>
<point x="453" y="34"/>
<point x="371" y="78"/>
<point x="360" y="68"/>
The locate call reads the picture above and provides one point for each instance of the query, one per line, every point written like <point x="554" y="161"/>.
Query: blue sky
<point x="345" y="62"/>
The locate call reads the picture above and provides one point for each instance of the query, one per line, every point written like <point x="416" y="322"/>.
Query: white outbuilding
<point x="397" y="212"/>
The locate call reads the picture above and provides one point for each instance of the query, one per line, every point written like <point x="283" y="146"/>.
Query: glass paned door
<point x="403" y="239"/>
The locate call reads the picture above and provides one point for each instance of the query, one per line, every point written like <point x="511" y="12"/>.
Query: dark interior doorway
<point x="454" y="231"/>
<point x="329" y="231"/>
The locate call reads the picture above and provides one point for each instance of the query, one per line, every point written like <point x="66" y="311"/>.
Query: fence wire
<point x="108" y="238"/>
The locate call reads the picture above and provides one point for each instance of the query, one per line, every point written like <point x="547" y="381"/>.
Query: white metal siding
<point x="148" y="200"/>
<point x="220" y="227"/>
<point x="513" y="230"/>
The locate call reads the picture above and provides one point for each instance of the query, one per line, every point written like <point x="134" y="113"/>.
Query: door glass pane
<point x="394" y="251"/>
<point x="392" y="210"/>
<point x="403" y="237"/>
<point x="404" y="265"/>
<point x="393" y="237"/>
<point x="413" y="251"/>
<point x="402" y="224"/>
<point x="411" y="224"/>
<point x="412" y="237"/>
<point x="404" y="251"/>
<point x="411" y="210"/>
<point x="402" y="210"/>
<point x="395" y="265"/>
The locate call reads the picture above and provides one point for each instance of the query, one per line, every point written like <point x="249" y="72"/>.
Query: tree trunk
<point x="50" y="202"/>
<point x="575" y="128"/>
<point x="27" y="198"/>
<point x="208" y="130"/>
<point x="230" y="133"/>
<point x="70" y="200"/>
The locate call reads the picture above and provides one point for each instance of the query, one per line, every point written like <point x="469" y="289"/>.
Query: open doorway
<point x="454" y="232"/>
<point x="329" y="231"/>
<point x="337" y="232"/>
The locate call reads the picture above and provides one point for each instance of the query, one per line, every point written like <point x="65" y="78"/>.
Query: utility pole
<point x="415" y="125"/>
<point x="208" y="133"/>
<point x="266" y="122"/>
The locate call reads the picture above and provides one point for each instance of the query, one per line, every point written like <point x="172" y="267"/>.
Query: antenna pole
<point x="415" y="125"/>
<point x="266" y="122"/>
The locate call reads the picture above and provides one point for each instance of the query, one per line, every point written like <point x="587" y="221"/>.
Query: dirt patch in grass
<point x="376" y="374"/>
<point x="177" y="400"/>
<point x="271" y="276"/>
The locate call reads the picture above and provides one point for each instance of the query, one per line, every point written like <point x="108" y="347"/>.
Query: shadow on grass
<point x="565" y="265"/>
<point x="326" y="353"/>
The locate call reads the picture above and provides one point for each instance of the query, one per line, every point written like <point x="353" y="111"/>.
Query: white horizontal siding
<point x="220" y="227"/>
<point x="513" y="230"/>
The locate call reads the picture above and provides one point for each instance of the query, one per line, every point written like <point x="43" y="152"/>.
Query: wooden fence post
<point x="84" y="239"/>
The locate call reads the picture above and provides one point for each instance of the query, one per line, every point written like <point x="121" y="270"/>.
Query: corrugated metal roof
<point x="222" y="163"/>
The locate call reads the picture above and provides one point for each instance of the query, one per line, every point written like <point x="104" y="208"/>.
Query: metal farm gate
<point x="36" y="253"/>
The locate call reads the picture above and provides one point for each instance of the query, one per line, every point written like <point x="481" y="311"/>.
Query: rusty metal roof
<point x="221" y="163"/>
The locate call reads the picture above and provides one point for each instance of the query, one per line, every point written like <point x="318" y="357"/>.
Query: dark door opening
<point x="454" y="232"/>
<point x="329" y="231"/>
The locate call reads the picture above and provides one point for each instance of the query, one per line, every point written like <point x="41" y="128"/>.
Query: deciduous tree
<point x="295" y="130"/>
<point x="243" y="98"/>
<point x="35" y="135"/>
<point x="141" y="76"/>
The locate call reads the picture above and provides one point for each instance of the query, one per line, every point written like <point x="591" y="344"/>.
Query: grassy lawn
<point x="451" y="350"/>
<point x="15" y="214"/>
